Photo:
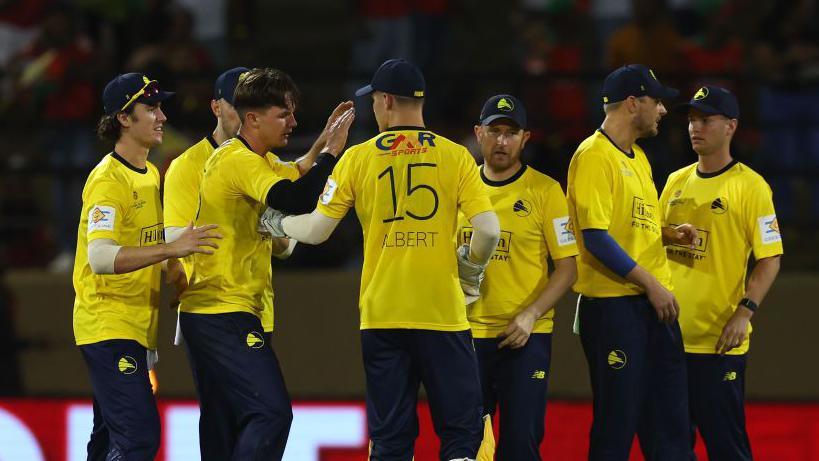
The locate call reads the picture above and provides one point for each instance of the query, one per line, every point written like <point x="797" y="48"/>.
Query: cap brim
<point x="157" y="98"/>
<point x="704" y="108"/>
<point x="492" y="118"/>
<point x="363" y="91"/>
<point x="664" y="92"/>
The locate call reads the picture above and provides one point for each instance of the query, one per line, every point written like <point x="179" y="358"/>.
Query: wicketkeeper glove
<point x="470" y="275"/>
<point x="271" y="223"/>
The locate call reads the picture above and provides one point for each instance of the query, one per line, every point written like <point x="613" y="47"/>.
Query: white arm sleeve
<point x="312" y="229"/>
<point x="287" y="251"/>
<point x="101" y="255"/>
<point x="485" y="236"/>
<point x="172" y="233"/>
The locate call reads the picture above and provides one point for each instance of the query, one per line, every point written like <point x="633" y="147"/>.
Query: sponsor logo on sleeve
<point x="101" y="218"/>
<point x="563" y="231"/>
<point x="769" y="229"/>
<point x="329" y="191"/>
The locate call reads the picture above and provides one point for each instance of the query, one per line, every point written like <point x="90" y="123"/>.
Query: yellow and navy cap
<point x="226" y="84"/>
<point x="712" y="100"/>
<point x="503" y="106"/>
<point x="127" y="89"/>
<point x="634" y="80"/>
<point x="399" y="77"/>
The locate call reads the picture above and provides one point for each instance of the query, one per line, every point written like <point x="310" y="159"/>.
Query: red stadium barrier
<point x="57" y="430"/>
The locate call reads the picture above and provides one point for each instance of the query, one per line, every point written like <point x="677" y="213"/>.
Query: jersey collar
<point x="627" y="154"/>
<point x="717" y="173"/>
<point x="407" y="127"/>
<point x="240" y="138"/>
<point x="128" y="164"/>
<point x="212" y="141"/>
<point x="506" y="181"/>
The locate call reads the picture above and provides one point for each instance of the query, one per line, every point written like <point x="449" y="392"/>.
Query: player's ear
<point x="732" y="126"/>
<point x="215" y="108"/>
<point x="526" y="136"/>
<point x="478" y="133"/>
<point x="124" y="119"/>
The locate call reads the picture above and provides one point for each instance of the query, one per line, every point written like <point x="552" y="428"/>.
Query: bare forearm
<point x="761" y="279"/>
<point x="641" y="277"/>
<point x="563" y="277"/>
<point x="130" y="259"/>
<point x="306" y="161"/>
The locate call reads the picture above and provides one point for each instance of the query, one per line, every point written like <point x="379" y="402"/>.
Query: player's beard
<point x="647" y="126"/>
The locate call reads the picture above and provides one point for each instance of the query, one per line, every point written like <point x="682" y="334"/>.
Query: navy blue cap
<point x="121" y="92"/>
<point x="226" y="84"/>
<point x="503" y="106"/>
<point x="634" y="80"/>
<point x="398" y="77"/>
<point x="712" y="100"/>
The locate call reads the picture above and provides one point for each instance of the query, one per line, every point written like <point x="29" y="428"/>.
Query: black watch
<point x="749" y="304"/>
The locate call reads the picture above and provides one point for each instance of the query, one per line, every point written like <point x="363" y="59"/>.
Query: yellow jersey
<point x="407" y="185"/>
<point x="236" y="277"/>
<point x="181" y="200"/>
<point x="119" y="202"/>
<point x="733" y="212"/>
<point x="534" y="221"/>
<point x="614" y="190"/>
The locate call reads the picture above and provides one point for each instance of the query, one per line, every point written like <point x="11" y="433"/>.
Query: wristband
<point x="748" y="304"/>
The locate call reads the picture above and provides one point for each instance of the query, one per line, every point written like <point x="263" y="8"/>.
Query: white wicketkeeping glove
<point x="470" y="274"/>
<point x="271" y="223"/>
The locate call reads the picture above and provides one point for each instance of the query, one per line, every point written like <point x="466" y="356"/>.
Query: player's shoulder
<point x="195" y="155"/>
<point x="748" y="175"/>
<point x="539" y="180"/>
<point x="595" y="147"/>
<point x="682" y="173"/>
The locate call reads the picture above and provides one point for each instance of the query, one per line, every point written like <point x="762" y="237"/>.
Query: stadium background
<point x="56" y="56"/>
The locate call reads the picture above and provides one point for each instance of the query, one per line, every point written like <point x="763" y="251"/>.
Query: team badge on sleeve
<point x="769" y="229"/>
<point x="329" y="191"/>
<point x="563" y="231"/>
<point x="101" y="218"/>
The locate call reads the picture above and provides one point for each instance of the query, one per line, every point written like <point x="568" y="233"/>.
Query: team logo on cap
<point x="418" y="93"/>
<point x="127" y="365"/>
<point x="505" y="105"/>
<point x="617" y="359"/>
<point x="254" y="340"/>
<point x="702" y="93"/>
<point x="719" y="205"/>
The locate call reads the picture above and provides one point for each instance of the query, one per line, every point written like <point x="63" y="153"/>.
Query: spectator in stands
<point x="649" y="38"/>
<point x="787" y="58"/>
<point x="54" y="84"/>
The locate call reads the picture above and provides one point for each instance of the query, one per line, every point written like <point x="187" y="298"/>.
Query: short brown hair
<point x="263" y="88"/>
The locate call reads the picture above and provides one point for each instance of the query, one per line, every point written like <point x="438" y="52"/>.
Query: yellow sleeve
<point x="557" y="226"/>
<point x="339" y="194"/>
<point x="181" y="194"/>
<point x="251" y="175"/>
<point x="592" y="192"/>
<point x="762" y="227"/>
<point x="105" y="206"/>
<point x="472" y="198"/>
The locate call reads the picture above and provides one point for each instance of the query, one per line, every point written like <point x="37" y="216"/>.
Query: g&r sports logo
<point x="400" y="144"/>
<point x="127" y="365"/>
<point x="254" y="340"/>
<point x="617" y="359"/>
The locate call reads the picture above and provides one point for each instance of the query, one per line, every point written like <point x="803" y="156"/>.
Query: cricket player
<point x="732" y="208"/>
<point x="116" y="275"/>
<point x="512" y="319"/>
<point x="222" y="306"/>
<point x="181" y="202"/>
<point x="627" y="313"/>
<point x="407" y="185"/>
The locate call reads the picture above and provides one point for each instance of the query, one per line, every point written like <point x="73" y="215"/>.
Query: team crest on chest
<point x="522" y="208"/>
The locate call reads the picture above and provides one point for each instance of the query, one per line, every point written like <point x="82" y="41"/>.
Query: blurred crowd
<point x="55" y="57"/>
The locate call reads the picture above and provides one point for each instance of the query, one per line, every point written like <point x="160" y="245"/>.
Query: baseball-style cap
<point x="712" y="100"/>
<point x="126" y="89"/>
<point x="503" y="106"/>
<point x="226" y="84"/>
<point x="399" y="77"/>
<point x="634" y="80"/>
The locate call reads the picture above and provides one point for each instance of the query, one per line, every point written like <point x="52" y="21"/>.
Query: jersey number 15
<point x="389" y="172"/>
